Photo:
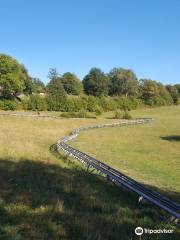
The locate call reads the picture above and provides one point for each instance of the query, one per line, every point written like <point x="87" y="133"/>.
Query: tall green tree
<point x="149" y="89"/>
<point x="55" y="88"/>
<point x="28" y="83"/>
<point x="96" y="83"/>
<point x="72" y="85"/>
<point x="38" y="86"/>
<point x="55" y="92"/>
<point x="123" y="82"/>
<point x="12" y="77"/>
<point x="163" y="93"/>
<point x="178" y="88"/>
<point x="173" y="92"/>
<point x="53" y="73"/>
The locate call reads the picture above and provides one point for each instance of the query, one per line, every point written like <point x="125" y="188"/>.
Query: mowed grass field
<point x="149" y="153"/>
<point x="45" y="196"/>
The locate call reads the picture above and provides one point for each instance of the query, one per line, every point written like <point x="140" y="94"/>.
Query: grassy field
<point x="43" y="196"/>
<point x="149" y="153"/>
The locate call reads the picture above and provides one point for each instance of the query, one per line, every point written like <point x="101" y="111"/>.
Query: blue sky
<point x="75" y="35"/>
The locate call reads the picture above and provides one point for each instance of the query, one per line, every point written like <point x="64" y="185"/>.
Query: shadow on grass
<point x="45" y="201"/>
<point x="172" y="138"/>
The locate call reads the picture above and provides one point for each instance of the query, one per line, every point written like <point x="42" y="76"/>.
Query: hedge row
<point x="76" y="104"/>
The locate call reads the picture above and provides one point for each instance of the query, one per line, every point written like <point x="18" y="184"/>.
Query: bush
<point x="67" y="114"/>
<point x="178" y="101"/>
<point x="107" y="104"/>
<point x="68" y="106"/>
<point x="127" y="104"/>
<point x="127" y="115"/>
<point x="118" y="114"/>
<point x="1" y="105"/>
<point x="8" y="105"/>
<point x="80" y="114"/>
<point x="156" y="101"/>
<point x="78" y="104"/>
<point x="83" y="114"/>
<point x="54" y="103"/>
<point x="24" y="103"/>
<point x="72" y="105"/>
<point x="98" y="110"/>
<point x="37" y="103"/>
<point x="112" y="105"/>
<point x="92" y="103"/>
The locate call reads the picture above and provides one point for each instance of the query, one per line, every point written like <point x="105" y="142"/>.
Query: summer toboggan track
<point x="112" y="174"/>
<point x="115" y="176"/>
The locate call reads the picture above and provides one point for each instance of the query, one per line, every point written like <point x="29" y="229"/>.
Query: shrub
<point x="92" y="103"/>
<point x="107" y="104"/>
<point x="112" y="105"/>
<point x="72" y="105"/>
<point x="178" y="101"/>
<point x="80" y="114"/>
<point x="37" y="103"/>
<point x="156" y="101"/>
<point x="56" y="103"/>
<point x="127" y="115"/>
<point x="68" y="106"/>
<point x="1" y="105"/>
<point x="8" y="105"/>
<point x="67" y="115"/>
<point x="98" y="110"/>
<point x="118" y="114"/>
<point x="24" y="103"/>
<point x="52" y="104"/>
<point x="127" y="104"/>
<point x="79" y="104"/>
<point x="103" y="103"/>
<point x="83" y="114"/>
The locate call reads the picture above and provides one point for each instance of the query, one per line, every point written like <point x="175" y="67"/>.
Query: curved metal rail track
<point x="150" y="195"/>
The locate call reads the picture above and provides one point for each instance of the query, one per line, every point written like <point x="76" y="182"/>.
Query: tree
<point x="55" y="88"/>
<point x="28" y="84"/>
<point x="96" y="83"/>
<point x="38" y="86"/>
<point x="123" y="82"/>
<point x="12" y="77"/>
<point x="53" y="73"/>
<point x="163" y="93"/>
<point x="72" y="85"/>
<point x="173" y="92"/>
<point x="154" y="93"/>
<point x="56" y="93"/>
<point x="178" y="88"/>
<point x="149" y="89"/>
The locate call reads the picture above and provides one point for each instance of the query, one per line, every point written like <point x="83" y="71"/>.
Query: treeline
<point x="97" y="92"/>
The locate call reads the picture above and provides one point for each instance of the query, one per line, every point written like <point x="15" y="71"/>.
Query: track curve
<point x="152" y="196"/>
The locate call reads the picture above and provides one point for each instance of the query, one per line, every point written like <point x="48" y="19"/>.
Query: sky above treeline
<point x="75" y="35"/>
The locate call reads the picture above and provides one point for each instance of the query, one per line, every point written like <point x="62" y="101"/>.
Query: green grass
<point x="43" y="196"/>
<point x="149" y="153"/>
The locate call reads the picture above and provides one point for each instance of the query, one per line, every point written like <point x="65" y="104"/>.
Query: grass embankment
<point x="44" y="197"/>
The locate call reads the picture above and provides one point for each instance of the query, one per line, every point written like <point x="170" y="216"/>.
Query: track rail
<point x="152" y="196"/>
